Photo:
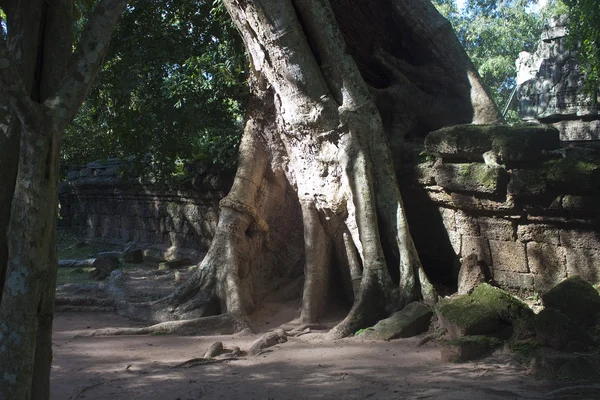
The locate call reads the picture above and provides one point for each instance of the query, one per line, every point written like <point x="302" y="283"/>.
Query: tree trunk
<point x="337" y="87"/>
<point x="42" y="101"/>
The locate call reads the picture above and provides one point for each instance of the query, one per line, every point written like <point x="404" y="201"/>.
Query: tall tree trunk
<point x="43" y="110"/>
<point x="314" y="131"/>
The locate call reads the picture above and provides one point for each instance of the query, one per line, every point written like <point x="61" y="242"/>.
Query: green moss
<point x="575" y="298"/>
<point x="463" y="311"/>
<point x="508" y="308"/>
<point x="477" y="173"/>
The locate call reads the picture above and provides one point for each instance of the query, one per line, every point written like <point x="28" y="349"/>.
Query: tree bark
<point x="40" y="112"/>
<point x="337" y="87"/>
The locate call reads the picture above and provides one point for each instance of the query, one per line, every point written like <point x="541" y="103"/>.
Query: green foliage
<point x="172" y="89"/>
<point x="494" y="32"/>
<point x="584" y="23"/>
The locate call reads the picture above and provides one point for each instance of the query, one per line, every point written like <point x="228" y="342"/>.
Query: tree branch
<point x="14" y="89"/>
<point x="86" y="62"/>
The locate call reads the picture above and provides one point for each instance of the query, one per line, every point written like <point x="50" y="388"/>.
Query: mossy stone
<point x="412" y="320"/>
<point x="509" y="309"/>
<point x="524" y="142"/>
<point x="577" y="299"/>
<point x="554" y="329"/>
<point x="462" y="316"/>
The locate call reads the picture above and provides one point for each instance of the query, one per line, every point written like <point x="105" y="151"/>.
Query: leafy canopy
<point x="172" y="88"/>
<point x="584" y="23"/>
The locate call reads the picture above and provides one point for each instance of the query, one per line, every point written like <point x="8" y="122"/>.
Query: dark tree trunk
<point x="43" y="87"/>
<point x="338" y="85"/>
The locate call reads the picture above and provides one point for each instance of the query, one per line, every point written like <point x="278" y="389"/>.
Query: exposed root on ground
<point x="224" y="324"/>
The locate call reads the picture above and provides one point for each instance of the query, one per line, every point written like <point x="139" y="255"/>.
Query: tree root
<point x="224" y="324"/>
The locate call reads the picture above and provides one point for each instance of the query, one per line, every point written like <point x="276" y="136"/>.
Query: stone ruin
<point x="551" y="87"/>
<point x="519" y="206"/>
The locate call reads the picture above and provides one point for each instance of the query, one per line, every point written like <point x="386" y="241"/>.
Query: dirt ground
<point x="141" y="367"/>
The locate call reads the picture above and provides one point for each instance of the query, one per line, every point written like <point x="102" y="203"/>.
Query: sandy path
<point x="305" y="367"/>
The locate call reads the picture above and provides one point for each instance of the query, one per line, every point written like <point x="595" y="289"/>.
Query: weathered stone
<point x="525" y="183"/>
<point x="462" y="316"/>
<point x="540" y="233"/>
<point x="509" y="143"/>
<point x="469" y="348"/>
<point x="556" y="330"/>
<point x="412" y="320"/>
<point x="472" y="273"/>
<point x="509" y="308"/>
<point x="578" y="130"/>
<point x="466" y="224"/>
<point x="103" y="266"/>
<point x="508" y="256"/>
<point x="448" y="218"/>
<point x="577" y="299"/>
<point x="548" y="264"/>
<point x="584" y="263"/>
<point x="496" y="228"/>
<point x="514" y="280"/>
<point x="478" y="246"/>
<point x="587" y="239"/>
<point x="474" y="177"/>
<point x="455" y="239"/>
<point x="576" y="367"/>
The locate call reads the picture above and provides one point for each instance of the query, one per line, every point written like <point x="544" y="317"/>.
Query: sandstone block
<point x="514" y="280"/>
<point x="412" y="320"/>
<point x="584" y="263"/>
<point x="474" y="177"/>
<point x="540" y="233"/>
<point x="548" y="264"/>
<point x="508" y="256"/>
<point x="496" y="228"/>
<point x="478" y="246"/>
<point x="579" y="238"/>
<point x="466" y="224"/>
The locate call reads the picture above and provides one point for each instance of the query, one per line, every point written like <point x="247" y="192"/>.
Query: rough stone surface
<point x="468" y="348"/>
<point x="496" y="228"/>
<point x="508" y="256"/>
<point x="551" y="87"/>
<point x="478" y="246"/>
<point x="575" y="367"/>
<point x="462" y="316"/>
<point x="412" y="320"/>
<point x="510" y="309"/>
<point x="541" y="233"/>
<point x="547" y="262"/>
<point x="556" y="330"/>
<point x="584" y="263"/>
<point x="577" y="299"/>
<point x="472" y="273"/>
<point x="473" y="177"/>
<point x="508" y="143"/>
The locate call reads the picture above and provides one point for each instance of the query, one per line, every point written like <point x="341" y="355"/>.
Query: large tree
<point x="337" y="86"/>
<point x="42" y="84"/>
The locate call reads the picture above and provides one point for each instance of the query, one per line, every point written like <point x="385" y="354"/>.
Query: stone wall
<point x="551" y="87"/>
<point x="172" y="221"/>
<point x="527" y="209"/>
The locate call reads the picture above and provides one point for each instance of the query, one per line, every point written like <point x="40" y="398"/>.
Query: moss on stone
<point x="508" y="307"/>
<point x="462" y="316"/>
<point x="577" y="299"/>
<point x="478" y="174"/>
